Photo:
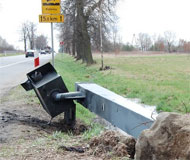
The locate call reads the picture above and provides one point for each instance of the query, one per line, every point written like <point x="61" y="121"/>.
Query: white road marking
<point x="12" y="64"/>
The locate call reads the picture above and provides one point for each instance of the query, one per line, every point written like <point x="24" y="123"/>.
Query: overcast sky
<point x="154" y="17"/>
<point x="150" y="16"/>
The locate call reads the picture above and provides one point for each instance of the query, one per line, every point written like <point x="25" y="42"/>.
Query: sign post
<point x="36" y="59"/>
<point x="52" y="44"/>
<point x="51" y="13"/>
<point x="61" y="44"/>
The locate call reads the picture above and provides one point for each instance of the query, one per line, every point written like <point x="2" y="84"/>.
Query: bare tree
<point x="154" y="38"/>
<point x="148" y="42"/>
<point x="170" y="39"/>
<point x="82" y="35"/>
<point x="82" y="26"/>
<point x="159" y="44"/>
<point x="28" y="32"/>
<point x="114" y="33"/>
<point x="41" y="42"/>
<point x="24" y="34"/>
<point x="31" y="32"/>
<point x="68" y="28"/>
<point x="144" y="41"/>
<point x="184" y="46"/>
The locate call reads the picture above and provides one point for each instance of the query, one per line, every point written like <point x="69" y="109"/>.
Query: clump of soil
<point x="112" y="143"/>
<point x="106" y="146"/>
<point x="105" y="68"/>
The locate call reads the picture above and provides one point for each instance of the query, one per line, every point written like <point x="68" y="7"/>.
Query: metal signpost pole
<point x="51" y="13"/>
<point x="52" y="44"/>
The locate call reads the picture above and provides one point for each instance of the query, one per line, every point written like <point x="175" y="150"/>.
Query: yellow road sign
<point x="51" y="18"/>
<point x="50" y="1"/>
<point x="51" y="7"/>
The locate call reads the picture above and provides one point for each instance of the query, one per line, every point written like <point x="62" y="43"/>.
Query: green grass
<point x="93" y="131"/>
<point x="11" y="54"/>
<point x="161" y="80"/>
<point x="72" y="72"/>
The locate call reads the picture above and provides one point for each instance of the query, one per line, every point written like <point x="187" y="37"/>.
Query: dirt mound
<point x="112" y="143"/>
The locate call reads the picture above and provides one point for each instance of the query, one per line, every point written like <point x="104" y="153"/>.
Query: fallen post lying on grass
<point x="55" y="98"/>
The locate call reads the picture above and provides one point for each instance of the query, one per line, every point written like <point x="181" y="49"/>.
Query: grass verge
<point x="161" y="80"/>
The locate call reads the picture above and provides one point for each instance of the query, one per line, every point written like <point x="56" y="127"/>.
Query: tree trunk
<point x="87" y="46"/>
<point x="73" y="47"/>
<point x="24" y="44"/>
<point x="83" y="40"/>
<point x="169" y="47"/>
<point x="74" y="38"/>
<point x="31" y="45"/>
<point x="79" y="46"/>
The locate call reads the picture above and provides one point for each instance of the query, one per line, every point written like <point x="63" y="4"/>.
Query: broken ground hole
<point x="105" y="68"/>
<point x="7" y="118"/>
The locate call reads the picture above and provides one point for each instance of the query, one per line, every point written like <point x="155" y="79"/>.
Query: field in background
<point x="162" y="79"/>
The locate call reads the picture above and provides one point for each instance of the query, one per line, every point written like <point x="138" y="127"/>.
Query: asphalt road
<point x="13" y="70"/>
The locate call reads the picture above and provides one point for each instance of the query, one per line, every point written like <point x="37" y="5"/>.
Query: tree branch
<point x="92" y="8"/>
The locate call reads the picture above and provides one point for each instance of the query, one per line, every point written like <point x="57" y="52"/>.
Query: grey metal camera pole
<point x="52" y="45"/>
<point x="55" y="98"/>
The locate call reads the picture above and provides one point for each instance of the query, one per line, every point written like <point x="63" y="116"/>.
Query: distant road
<point x="13" y="70"/>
